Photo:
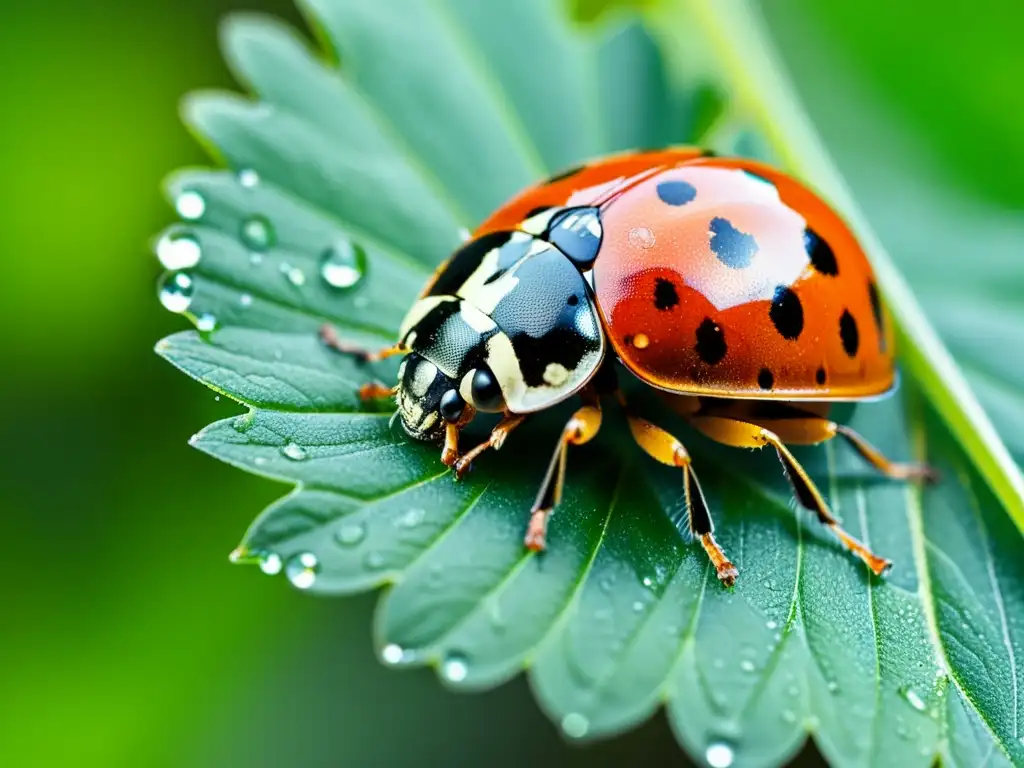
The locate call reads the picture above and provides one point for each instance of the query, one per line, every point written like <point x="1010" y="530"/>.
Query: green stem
<point x="735" y="36"/>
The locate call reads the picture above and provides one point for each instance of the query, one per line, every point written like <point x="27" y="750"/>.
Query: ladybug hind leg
<point x="663" y="447"/>
<point x="744" y="434"/>
<point x="330" y="337"/>
<point x="582" y="427"/>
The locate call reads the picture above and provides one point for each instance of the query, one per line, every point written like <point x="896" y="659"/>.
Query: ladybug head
<point x="427" y="398"/>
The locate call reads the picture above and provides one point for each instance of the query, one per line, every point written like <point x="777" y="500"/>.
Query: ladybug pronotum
<point x="723" y="283"/>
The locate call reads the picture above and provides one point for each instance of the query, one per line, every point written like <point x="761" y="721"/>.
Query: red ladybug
<point x="722" y="282"/>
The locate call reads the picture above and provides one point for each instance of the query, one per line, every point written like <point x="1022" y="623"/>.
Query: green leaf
<point x="434" y="117"/>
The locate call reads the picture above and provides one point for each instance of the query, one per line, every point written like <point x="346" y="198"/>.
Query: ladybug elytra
<point x="722" y="282"/>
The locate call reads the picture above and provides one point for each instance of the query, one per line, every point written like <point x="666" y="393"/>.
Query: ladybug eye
<point x="486" y="392"/>
<point x="451" y="406"/>
<point x="577" y="233"/>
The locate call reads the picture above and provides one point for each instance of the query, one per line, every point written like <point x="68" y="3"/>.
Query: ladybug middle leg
<point x="663" y="447"/>
<point x="581" y="428"/>
<point x="330" y="337"/>
<point x="744" y="434"/>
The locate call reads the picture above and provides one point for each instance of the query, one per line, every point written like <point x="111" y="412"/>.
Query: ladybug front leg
<point x="662" y="446"/>
<point x="743" y="434"/>
<point x="496" y="440"/>
<point x="581" y="428"/>
<point x="330" y="337"/>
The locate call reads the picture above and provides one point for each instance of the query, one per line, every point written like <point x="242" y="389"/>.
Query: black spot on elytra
<point x="562" y="175"/>
<point x="534" y="211"/>
<point x="710" y="342"/>
<point x="733" y="248"/>
<point x="573" y="300"/>
<point x="765" y="380"/>
<point x="876" y="312"/>
<point x="820" y="375"/>
<point x="676" y="192"/>
<point x="848" y="333"/>
<point x="628" y="340"/>
<point x="665" y="296"/>
<point x="787" y="313"/>
<point x="820" y="252"/>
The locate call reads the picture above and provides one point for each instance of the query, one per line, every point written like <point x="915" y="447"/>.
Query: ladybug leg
<point x="375" y="390"/>
<point x="330" y="337"/>
<point x="812" y="430"/>
<point x="742" y="434"/>
<point x="496" y="440"/>
<point x="662" y="446"/>
<point x="581" y="428"/>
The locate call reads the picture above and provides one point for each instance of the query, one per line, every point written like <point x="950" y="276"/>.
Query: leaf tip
<point x="240" y="554"/>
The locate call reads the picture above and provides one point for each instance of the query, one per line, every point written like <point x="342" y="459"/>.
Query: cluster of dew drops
<point x="341" y="264"/>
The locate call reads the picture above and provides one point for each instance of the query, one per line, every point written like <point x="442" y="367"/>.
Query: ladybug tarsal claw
<point x="727" y="573"/>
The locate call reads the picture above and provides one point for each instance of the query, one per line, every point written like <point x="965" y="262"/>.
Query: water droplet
<point x="245" y="300"/>
<point x="412" y="518"/>
<point x="747" y="665"/>
<point x="913" y="698"/>
<point x="176" y="292"/>
<point x="248" y="178"/>
<point x="719" y="754"/>
<point x="638" y="605"/>
<point x="350" y="534"/>
<point x="294" y="451"/>
<point x="343" y="264"/>
<point x="495" y="616"/>
<point x="295" y="276"/>
<point x="301" y="570"/>
<point x="789" y="716"/>
<point x="575" y="725"/>
<point x="260" y="461"/>
<point x="216" y="398"/>
<point x="455" y="667"/>
<point x="833" y="686"/>
<point x="190" y="205"/>
<point x="257" y="233"/>
<point x="771" y="625"/>
<point x="206" y="323"/>
<point x="255" y="259"/>
<point x="392" y="654"/>
<point x="374" y="561"/>
<point x="641" y="237"/>
<point x="178" y="250"/>
<point x="648" y="582"/>
<point x="270" y="563"/>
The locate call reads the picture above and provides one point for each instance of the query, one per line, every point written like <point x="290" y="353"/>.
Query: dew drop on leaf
<point x="455" y="667"/>
<point x="720" y="754"/>
<point x="294" y="275"/>
<point x="771" y="625"/>
<point x="178" y="250"/>
<point x="257" y="233"/>
<point x="374" y="561"/>
<point x="392" y="654"/>
<point x="747" y="665"/>
<point x="648" y="582"/>
<point x="176" y="292"/>
<point x="788" y="716"/>
<point x="294" y="451"/>
<point x="270" y="563"/>
<point x="912" y="698"/>
<point x="248" y="178"/>
<point x="206" y="322"/>
<point x="255" y="259"/>
<point x="245" y="300"/>
<point x="350" y="534"/>
<point x="638" y="606"/>
<point x="301" y="570"/>
<point x="575" y="725"/>
<point x="343" y="264"/>
<point x="411" y="518"/>
<point x="833" y="686"/>
<point x="190" y="205"/>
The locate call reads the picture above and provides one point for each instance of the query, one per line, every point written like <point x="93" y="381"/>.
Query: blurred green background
<point x="127" y="638"/>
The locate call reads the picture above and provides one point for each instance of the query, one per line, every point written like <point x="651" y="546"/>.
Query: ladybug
<point x="722" y="282"/>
